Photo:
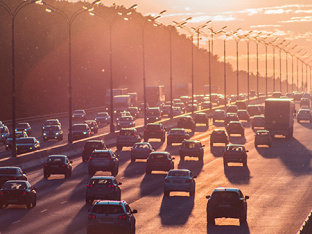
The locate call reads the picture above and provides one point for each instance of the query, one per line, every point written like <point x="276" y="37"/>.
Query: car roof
<point x="95" y="141"/>
<point x="236" y="122"/>
<point x="160" y="152"/>
<point x="57" y="156"/>
<point x="179" y="170"/>
<point x="154" y="124"/>
<point x="110" y="202"/>
<point x="225" y="189"/>
<point x="258" y="116"/>
<point x="218" y="130"/>
<point x="195" y="141"/>
<point x="238" y="145"/>
<point x="177" y="129"/>
<point x="102" y="177"/>
<point x="102" y="151"/>
<point x="10" y="167"/>
<point x="262" y="131"/>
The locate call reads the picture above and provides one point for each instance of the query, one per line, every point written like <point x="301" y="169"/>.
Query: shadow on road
<point x="151" y="184"/>
<point x="201" y="128"/>
<point x="193" y="164"/>
<point x="237" y="174"/>
<point x="135" y="169"/>
<point x="217" y="151"/>
<point x="237" y="139"/>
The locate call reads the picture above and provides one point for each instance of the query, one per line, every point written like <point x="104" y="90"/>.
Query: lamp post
<point x="280" y="62"/>
<point x="302" y="88"/>
<point x="237" y="72"/>
<point x="298" y="69"/>
<point x="266" y="64"/>
<point x="273" y="48"/>
<point x="257" y="51"/>
<point x="224" y="63"/>
<point x="111" y="22"/>
<point x="13" y="13"/>
<point x="70" y="21"/>
<point x="198" y="28"/>
<point x="248" y="81"/>
<point x="286" y="66"/>
<point x="292" y="68"/>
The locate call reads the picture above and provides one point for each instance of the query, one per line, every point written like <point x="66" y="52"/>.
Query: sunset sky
<point x="285" y="19"/>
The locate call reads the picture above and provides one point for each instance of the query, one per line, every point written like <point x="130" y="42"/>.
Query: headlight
<point x="30" y="147"/>
<point x="156" y="118"/>
<point x="44" y="134"/>
<point x="57" y="133"/>
<point x="85" y="132"/>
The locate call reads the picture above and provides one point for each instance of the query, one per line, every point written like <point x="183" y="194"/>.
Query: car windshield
<point x="262" y="133"/>
<point x="25" y="141"/>
<point x="51" y="122"/>
<point x="101" y="181"/>
<point x="14" y="185"/>
<point x="224" y="196"/>
<point x="108" y="209"/>
<point x="235" y="148"/>
<point x="153" y="112"/>
<point x="8" y="171"/>
<point x="125" y="118"/>
<point x="153" y="127"/>
<point x="79" y="127"/>
<point x="52" y="128"/>
<point x="141" y="146"/>
<point x="102" y="155"/>
<point x="56" y="160"/>
<point x="178" y="173"/>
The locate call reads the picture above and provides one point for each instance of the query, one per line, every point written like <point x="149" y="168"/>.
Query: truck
<point x="155" y="95"/>
<point x="214" y="89"/>
<point x="133" y="99"/>
<point x="183" y="90"/>
<point x="119" y="91"/>
<point x="278" y="116"/>
<point x="121" y="103"/>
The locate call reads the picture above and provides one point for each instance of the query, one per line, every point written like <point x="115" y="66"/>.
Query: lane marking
<point x="43" y="211"/>
<point x="63" y="202"/>
<point x="16" y="221"/>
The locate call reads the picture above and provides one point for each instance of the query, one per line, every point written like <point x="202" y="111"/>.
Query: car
<point x="201" y="118"/>
<point x="241" y="104"/>
<point x="103" y="160"/>
<point x="235" y="127"/>
<point x="165" y="110"/>
<point x="231" y="109"/>
<point x="205" y="105"/>
<point x="276" y="94"/>
<point x="176" y="111"/>
<point x="176" y="135"/>
<point x="227" y="203"/>
<point x="230" y="117"/>
<point x="305" y="102"/>
<point x="104" y="188"/>
<point x="290" y="95"/>
<point x="134" y="111"/>
<point x="123" y="114"/>
<point x="235" y="153"/>
<point x="304" y="115"/>
<point x="263" y="137"/>
<point x="253" y="110"/>
<point x="127" y="137"/>
<point x="79" y="115"/>
<point x="18" y="192"/>
<point x="154" y="130"/>
<point x="94" y="127"/>
<point x="186" y="122"/>
<point x="111" y="216"/>
<point x="243" y="115"/>
<point x="125" y="122"/>
<point x="27" y="144"/>
<point x="52" y="132"/>
<point x="218" y="115"/>
<point x="185" y="99"/>
<point x="51" y="122"/>
<point x="11" y="173"/>
<point x="219" y="136"/>
<point x="24" y="127"/>
<point x="102" y="118"/>
<point x="192" y="148"/>
<point x="90" y="146"/>
<point x="159" y="161"/>
<point x="189" y="107"/>
<point x="258" y="121"/>
<point x="57" y="164"/>
<point x="181" y="105"/>
<point x="179" y="180"/>
<point x="297" y="97"/>
<point x="9" y="140"/>
<point x="141" y="150"/>
<point x="4" y="133"/>
<point x="80" y="131"/>
<point x="153" y="114"/>
<point x="141" y="107"/>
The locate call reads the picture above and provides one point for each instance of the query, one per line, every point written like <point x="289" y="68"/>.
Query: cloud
<point x="298" y="19"/>
<point x="266" y="26"/>
<point x="274" y="12"/>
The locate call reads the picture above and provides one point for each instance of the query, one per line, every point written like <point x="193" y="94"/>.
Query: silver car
<point x="141" y="150"/>
<point x="125" y="122"/>
<point x="179" y="180"/>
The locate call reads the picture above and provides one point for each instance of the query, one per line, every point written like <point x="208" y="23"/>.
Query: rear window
<point x="158" y="157"/>
<point x="153" y="112"/>
<point x="102" y="155"/>
<point x="25" y="141"/>
<point x="51" y="122"/>
<point x="178" y="173"/>
<point x="141" y="146"/>
<point x="153" y="127"/>
<point x="235" y="148"/>
<point x="8" y="171"/>
<point x="54" y="128"/>
<point x="177" y="131"/>
<point x="190" y="144"/>
<point x="101" y="182"/>
<point x="224" y="196"/>
<point x="79" y="127"/>
<point x="15" y="185"/>
<point x="56" y="160"/>
<point x="125" y="118"/>
<point x="108" y="209"/>
<point x="93" y="145"/>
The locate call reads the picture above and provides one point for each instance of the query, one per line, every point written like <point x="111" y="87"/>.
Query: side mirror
<point x="203" y="146"/>
<point x="247" y="151"/>
<point x="208" y="196"/>
<point x="173" y="158"/>
<point x="134" y="211"/>
<point x="194" y="176"/>
<point x="246" y="197"/>
<point x="71" y="161"/>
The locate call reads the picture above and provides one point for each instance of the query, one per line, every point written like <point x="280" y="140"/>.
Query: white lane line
<point x="63" y="202"/>
<point x="43" y="211"/>
<point x="16" y="221"/>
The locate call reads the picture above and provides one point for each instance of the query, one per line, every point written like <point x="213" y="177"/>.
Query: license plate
<point x="106" y="220"/>
<point x="225" y="206"/>
<point x="177" y="181"/>
<point x="54" y="166"/>
<point x="12" y="201"/>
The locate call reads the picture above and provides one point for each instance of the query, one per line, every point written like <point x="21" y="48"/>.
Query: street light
<point x="237" y="73"/>
<point x="266" y="63"/>
<point x="198" y="28"/>
<point x="224" y="63"/>
<point x="13" y="13"/>
<point x="280" y="62"/>
<point x="257" y="51"/>
<point x="273" y="47"/>
<point x="111" y="22"/>
<point x="292" y="68"/>
<point x="248" y="81"/>
<point x="302" y="71"/>
<point x="286" y="66"/>
<point x="298" y="69"/>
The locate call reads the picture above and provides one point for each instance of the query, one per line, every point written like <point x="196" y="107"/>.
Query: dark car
<point x="111" y="216"/>
<point x="159" y="161"/>
<point x="230" y="117"/>
<point x="232" y="109"/>
<point x="235" y="127"/>
<point x="176" y="135"/>
<point x="241" y="104"/>
<point x="141" y="150"/>
<point x="4" y="133"/>
<point x="11" y="173"/>
<point x="79" y="115"/>
<point x="80" y="131"/>
<point x="50" y="122"/>
<point x="57" y="164"/>
<point x="24" y="127"/>
<point x="102" y="118"/>
<point x="258" y="122"/>
<point x="179" y="180"/>
<point x="127" y="137"/>
<point x="93" y="125"/>
<point x="103" y="160"/>
<point x="304" y="115"/>
<point x="186" y="122"/>
<point x="52" y="132"/>
<point x="227" y="203"/>
<point x="165" y="110"/>
<point x="205" y="105"/>
<point x="201" y="118"/>
<point x="243" y="115"/>
<point x="104" y="188"/>
<point x="141" y="107"/>
<point x="192" y="148"/>
<point x="235" y="153"/>
<point x="27" y="144"/>
<point x="218" y="115"/>
<point x="153" y="114"/>
<point x="253" y="110"/>
<point x="154" y="130"/>
<point x="134" y="111"/>
<point x="219" y="136"/>
<point x="125" y="122"/>
<point x="90" y="146"/>
<point x="263" y="137"/>
<point x="18" y="192"/>
<point x="305" y="102"/>
<point x="9" y="140"/>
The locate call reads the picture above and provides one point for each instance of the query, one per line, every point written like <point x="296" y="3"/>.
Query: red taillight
<point x="159" y="130"/>
<point x="110" y="158"/>
<point x="111" y="186"/>
<point x="45" y="165"/>
<point x="1" y="193"/>
<point x="63" y="165"/>
<point x="24" y="193"/>
<point x="166" y="180"/>
<point x="242" y="153"/>
<point x="118" y="134"/>
<point x="132" y="151"/>
<point x="90" y="185"/>
<point x="122" y="217"/>
<point x="84" y="149"/>
<point x="92" y="216"/>
<point x="148" y="151"/>
<point x="188" y="181"/>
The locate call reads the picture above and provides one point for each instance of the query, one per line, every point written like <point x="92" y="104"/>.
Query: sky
<point x="289" y="20"/>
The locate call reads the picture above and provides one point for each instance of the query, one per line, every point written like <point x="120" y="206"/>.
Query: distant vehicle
<point x="159" y="161"/>
<point x="258" y="122"/>
<point x="181" y="105"/>
<point x="90" y="146"/>
<point x="9" y="140"/>
<point x="133" y="99"/>
<point x="235" y="153"/>
<point x="290" y="95"/>
<point x="263" y="137"/>
<point x="253" y="110"/>
<point x="176" y="135"/>
<point x="125" y="122"/>
<point x="219" y="115"/>
<point x="183" y="90"/>
<point x="104" y="188"/>
<point x="185" y="99"/>
<point x="261" y="108"/>
<point x="154" y="130"/>
<point x="52" y="132"/>
<point x="304" y="115"/>
<point x="103" y="160"/>
<point x="102" y="118"/>
<point x="27" y="144"/>
<point x="230" y="117"/>
<point x="165" y="110"/>
<point x="155" y="95"/>
<point x="141" y="107"/>
<point x="123" y="114"/>
<point x="79" y="115"/>
<point x="153" y="114"/>
<point x="219" y="136"/>
<point x="121" y="103"/>
<point x="201" y="118"/>
<point x="134" y="111"/>
<point x="57" y="164"/>
<point x="18" y="192"/>
<point x="276" y="94"/>
<point x="141" y="150"/>
<point x="11" y="173"/>
<point x="111" y="216"/>
<point x="189" y="107"/>
<point x="253" y="93"/>
<point x="235" y="127"/>
<point x="127" y="137"/>
<point x="297" y="97"/>
<point x="241" y="104"/>
<point x="192" y="148"/>
<point x="186" y="122"/>
<point x="305" y="102"/>
<point x="24" y="127"/>
<point x="176" y="111"/>
<point x="80" y="131"/>
<point x="117" y="91"/>
<point x="50" y="122"/>
<point x="94" y="127"/>
<point x="232" y="109"/>
<point x="205" y="105"/>
<point x="179" y="180"/>
<point x="243" y="115"/>
<point x="227" y="203"/>
<point x="4" y="133"/>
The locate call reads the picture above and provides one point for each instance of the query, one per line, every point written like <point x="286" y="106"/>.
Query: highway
<point x="277" y="179"/>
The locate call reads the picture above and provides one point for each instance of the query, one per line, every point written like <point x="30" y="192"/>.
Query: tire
<point x="132" y="159"/>
<point x="192" y="193"/>
<point x="256" y="145"/>
<point x="162" y="139"/>
<point x="243" y="134"/>
<point x="114" y="172"/>
<point x="211" y="145"/>
<point x="169" y="144"/>
<point x="245" y="163"/>
<point x="225" y="163"/>
<point x="167" y="193"/>
<point x="201" y="158"/>
<point x="213" y="122"/>
<point x="46" y="176"/>
<point x="148" y="171"/>
<point x="299" y="121"/>
<point x="34" y="203"/>
<point x="182" y="157"/>
<point x="270" y="145"/>
<point x="211" y="220"/>
<point x="28" y="205"/>
<point x="243" y="220"/>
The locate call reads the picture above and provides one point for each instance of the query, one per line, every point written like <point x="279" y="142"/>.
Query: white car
<point x="179" y="180"/>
